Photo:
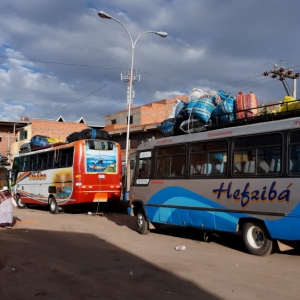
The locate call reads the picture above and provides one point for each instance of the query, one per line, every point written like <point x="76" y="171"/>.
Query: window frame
<point x="244" y="155"/>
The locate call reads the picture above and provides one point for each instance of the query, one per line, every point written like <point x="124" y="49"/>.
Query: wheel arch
<point x="136" y="205"/>
<point x="243" y="221"/>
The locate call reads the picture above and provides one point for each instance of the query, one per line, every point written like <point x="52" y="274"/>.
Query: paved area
<point x="74" y="255"/>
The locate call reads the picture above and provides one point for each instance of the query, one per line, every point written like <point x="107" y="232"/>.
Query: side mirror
<point x="11" y="174"/>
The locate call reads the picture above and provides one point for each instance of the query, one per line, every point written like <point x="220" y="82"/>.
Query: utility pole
<point x="126" y="78"/>
<point x="282" y="76"/>
<point x="8" y="147"/>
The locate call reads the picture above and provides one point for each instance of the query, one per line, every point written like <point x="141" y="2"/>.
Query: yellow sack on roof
<point x="289" y="103"/>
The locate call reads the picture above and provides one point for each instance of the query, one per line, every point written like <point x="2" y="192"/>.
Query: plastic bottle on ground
<point x="180" y="248"/>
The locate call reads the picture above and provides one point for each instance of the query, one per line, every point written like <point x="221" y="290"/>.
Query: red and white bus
<point x="84" y="171"/>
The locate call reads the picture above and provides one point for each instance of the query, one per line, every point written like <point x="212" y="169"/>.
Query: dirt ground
<point x="74" y="255"/>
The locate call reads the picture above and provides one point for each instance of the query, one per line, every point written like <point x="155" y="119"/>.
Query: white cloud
<point x="166" y="94"/>
<point x="73" y="56"/>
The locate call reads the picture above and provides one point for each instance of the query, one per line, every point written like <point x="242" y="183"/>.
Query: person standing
<point x="6" y="209"/>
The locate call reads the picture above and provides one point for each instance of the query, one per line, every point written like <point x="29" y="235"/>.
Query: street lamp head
<point x="162" y="34"/>
<point x="104" y="15"/>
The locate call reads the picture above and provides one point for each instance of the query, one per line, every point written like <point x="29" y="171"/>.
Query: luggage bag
<point x="246" y="105"/>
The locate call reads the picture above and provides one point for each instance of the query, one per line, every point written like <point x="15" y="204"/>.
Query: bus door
<point x="143" y="168"/>
<point x="141" y="175"/>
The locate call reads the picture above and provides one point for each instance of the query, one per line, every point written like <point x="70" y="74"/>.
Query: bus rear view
<point x="97" y="172"/>
<point x="84" y="171"/>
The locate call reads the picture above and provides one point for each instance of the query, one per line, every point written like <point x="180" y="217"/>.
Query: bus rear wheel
<point x="53" y="207"/>
<point x="19" y="202"/>
<point x="142" y="223"/>
<point x="256" y="239"/>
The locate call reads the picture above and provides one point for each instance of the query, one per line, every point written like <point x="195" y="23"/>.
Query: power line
<point x="59" y="63"/>
<point x="234" y="84"/>
<point x="114" y="68"/>
<point x="81" y="98"/>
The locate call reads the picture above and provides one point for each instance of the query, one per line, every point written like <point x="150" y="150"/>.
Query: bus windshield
<point x="101" y="156"/>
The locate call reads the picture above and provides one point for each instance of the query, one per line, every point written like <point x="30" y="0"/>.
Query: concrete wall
<point x="6" y="140"/>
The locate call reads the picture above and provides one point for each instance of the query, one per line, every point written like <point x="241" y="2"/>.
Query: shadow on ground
<point x="68" y="265"/>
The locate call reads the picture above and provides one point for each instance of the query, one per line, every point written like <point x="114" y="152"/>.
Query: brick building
<point x="9" y="134"/>
<point x="15" y="134"/>
<point x="143" y="126"/>
<point x="143" y="122"/>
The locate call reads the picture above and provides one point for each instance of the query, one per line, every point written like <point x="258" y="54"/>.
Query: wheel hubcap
<point x="139" y="221"/>
<point x="255" y="237"/>
<point x="20" y="202"/>
<point x="52" y="205"/>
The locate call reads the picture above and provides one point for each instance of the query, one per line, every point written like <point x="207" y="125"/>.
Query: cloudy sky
<point x="58" y="58"/>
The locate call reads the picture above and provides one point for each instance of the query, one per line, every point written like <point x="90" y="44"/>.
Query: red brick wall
<point x="154" y="112"/>
<point x="39" y="127"/>
<point x="55" y="129"/>
<point x="158" y="111"/>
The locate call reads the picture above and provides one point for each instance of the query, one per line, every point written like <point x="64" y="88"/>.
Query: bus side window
<point x="70" y="157"/>
<point x="170" y="161"/>
<point x="50" y="160"/>
<point x="162" y="164"/>
<point x="257" y="155"/>
<point x="198" y="161"/>
<point x="53" y="159"/>
<point x="63" y="160"/>
<point x="24" y="164"/>
<point x="144" y="168"/>
<point x="218" y="163"/>
<point x="177" y="166"/>
<point x="41" y="161"/>
<point x="66" y="157"/>
<point x="208" y="158"/>
<point x="32" y="162"/>
<point x="239" y="161"/>
<point x="294" y="165"/>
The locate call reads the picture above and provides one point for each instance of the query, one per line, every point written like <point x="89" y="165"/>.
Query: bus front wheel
<point x="142" y="223"/>
<point x="256" y="239"/>
<point x="19" y="202"/>
<point x="53" y="207"/>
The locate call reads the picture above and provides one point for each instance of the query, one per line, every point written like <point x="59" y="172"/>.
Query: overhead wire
<point x="93" y="92"/>
<point x="59" y="63"/>
<point x="232" y="84"/>
<point x="114" y="68"/>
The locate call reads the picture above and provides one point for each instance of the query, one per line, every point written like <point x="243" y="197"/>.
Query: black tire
<point x="207" y="237"/>
<point x="53" y="207"/>
<point x="256" y="239"/>
<point x="142" y="223"/>
<point x="20" y="203"/>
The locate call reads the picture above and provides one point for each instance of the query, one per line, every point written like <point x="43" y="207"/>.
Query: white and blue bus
<point x="240" y="179"/>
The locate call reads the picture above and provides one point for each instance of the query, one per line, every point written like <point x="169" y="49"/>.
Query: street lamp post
<point x="8" y="146"/>
<point x="104" y="15"/>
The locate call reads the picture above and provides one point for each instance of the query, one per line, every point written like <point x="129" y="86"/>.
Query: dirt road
<point x="79" y="256"/>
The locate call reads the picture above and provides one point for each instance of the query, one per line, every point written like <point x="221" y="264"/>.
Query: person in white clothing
<point x="6" y="208"/>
